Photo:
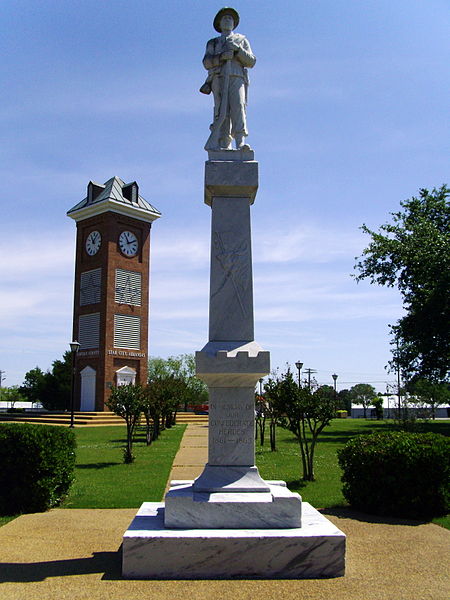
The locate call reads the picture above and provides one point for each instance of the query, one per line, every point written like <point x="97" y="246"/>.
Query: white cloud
<point x="180" y="250"/>
<point x="306" y="242"/>
<point x="36" y="256"/>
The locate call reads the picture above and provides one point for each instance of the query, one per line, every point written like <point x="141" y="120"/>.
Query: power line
<point x="370" y="381"/>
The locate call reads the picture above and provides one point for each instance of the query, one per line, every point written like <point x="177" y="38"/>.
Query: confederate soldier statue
<point x="227" y="58"/>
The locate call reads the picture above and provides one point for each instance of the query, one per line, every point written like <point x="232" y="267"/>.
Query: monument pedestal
<point x="229" y="522"/>
<point x="276" y="508"/>
<point x="230" y="493"/>
<point x="153" y="551"/>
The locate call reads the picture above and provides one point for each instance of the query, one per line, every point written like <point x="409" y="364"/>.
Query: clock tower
<point x="111" y="297"/>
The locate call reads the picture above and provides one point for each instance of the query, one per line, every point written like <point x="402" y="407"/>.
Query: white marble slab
<point x="276" y="508"/>
<point x="231" y="179"/>
<point x="230" y="479"/>
<point x="150" y="551"/>
<point x="247" y="154"/>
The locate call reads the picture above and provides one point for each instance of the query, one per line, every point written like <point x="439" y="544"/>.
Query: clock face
<point x="128" y="243"/>
<point x="93" y="243"/>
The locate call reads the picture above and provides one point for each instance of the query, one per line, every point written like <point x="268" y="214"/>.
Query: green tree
<point x="260" y="417"/>
<point x="181" y="367"/>
<point x="161" y="399"/>
<point x="307" y="411"/>
<point x="275" y="391"/>
<point x="433" y="394"/>
<point x="52" y="388"/>
<point x="363" y="393"/>
<point x="126" y="401"/>
<point x="11" y="395"/>
<point x="344" y="401"/>
<point x="377" y="403"/>
<point x="413" y="253"/>
<point x="33" y="385"/>
<point x="62" y="373"/>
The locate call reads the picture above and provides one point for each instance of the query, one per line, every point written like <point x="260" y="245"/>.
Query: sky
<point x="347" y="115"/>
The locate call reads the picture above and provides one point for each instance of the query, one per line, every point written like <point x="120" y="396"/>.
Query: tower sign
<point x="111" y="291"/>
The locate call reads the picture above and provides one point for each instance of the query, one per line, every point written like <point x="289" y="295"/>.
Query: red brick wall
<point x="109" y="258"/>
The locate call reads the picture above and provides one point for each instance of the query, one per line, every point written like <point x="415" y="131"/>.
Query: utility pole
<point x="398" y="383"/>
<point x="309" y="371"/>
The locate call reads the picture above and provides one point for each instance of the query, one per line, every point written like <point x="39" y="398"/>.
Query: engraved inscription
<point x="230" y="427"/>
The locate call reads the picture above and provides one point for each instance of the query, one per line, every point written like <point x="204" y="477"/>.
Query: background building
<point x="111" y="291"/>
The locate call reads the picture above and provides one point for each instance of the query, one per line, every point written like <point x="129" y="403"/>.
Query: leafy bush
<point x="398" y="474"/>
<point x="37" y="467"/>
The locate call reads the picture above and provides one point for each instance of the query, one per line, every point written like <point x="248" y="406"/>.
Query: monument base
<point x="216" y="478"/>
<point x="150" y="551"/>
<point x="186" y="508"/>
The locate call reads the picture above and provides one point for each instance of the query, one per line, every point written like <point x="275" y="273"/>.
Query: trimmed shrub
<point x="398" y="474"/>
<point x="36" y="466"/>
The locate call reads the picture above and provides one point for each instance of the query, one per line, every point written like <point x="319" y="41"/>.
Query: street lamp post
<point x="334" y="376"/>
<point x="299" y="366"/>
<point x="74" y="347"/>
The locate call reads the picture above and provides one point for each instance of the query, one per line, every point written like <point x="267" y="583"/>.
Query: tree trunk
<point x="148" y="429"/>
<point x="306" y="453"/>
<point x="262" y="430"/>
<point x="311" y="476"/>
<point x="302" y="454"/>
<point x="156" y="427"/>
<point x="273" y="442"/>
<point x="128" y="456"/>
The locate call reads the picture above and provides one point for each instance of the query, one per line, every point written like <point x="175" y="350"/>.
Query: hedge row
<point x="36" y="466"/>
<point x="398" y="474"/>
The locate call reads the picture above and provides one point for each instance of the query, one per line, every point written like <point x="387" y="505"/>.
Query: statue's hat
<point x="226" y="10"/>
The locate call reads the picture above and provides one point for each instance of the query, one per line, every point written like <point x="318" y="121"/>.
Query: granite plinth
<point x="150" y="551"/>
<point x="236" y="368"/>
<point x="230" y="478"/>
<point x="232" y="347"/>
<point x="232" y="154"/>
<point x="276" y="508"/>
<point x="231" y="375"/>
<point x="231" y="178"/>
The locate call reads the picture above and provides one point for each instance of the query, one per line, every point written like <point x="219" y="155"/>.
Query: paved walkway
<point x="192" y="455"/>
<point x="75" y="554"/>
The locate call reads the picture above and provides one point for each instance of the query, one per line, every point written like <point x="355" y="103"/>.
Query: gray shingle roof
<point x="113" y="191"/>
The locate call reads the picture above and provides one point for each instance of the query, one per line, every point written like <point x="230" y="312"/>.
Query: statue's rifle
<point x="213" y="140"/>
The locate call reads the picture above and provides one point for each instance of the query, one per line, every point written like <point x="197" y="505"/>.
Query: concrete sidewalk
<point x="76" y="554"/>
<point x="192" y="454"/>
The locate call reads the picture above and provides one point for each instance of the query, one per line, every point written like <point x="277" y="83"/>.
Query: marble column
<point x="231" y="362"/>
<point x="230" y="492"/>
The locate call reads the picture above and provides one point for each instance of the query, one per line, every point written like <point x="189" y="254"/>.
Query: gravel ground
<point x="76" y="554"/>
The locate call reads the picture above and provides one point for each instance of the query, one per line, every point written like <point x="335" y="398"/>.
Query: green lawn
<point x="4" y="520"/>
<point x="102" y="480"/>
<point x="326" y="491"/>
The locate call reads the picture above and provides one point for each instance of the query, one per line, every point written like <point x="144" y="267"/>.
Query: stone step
<point x="90" y="419"/>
